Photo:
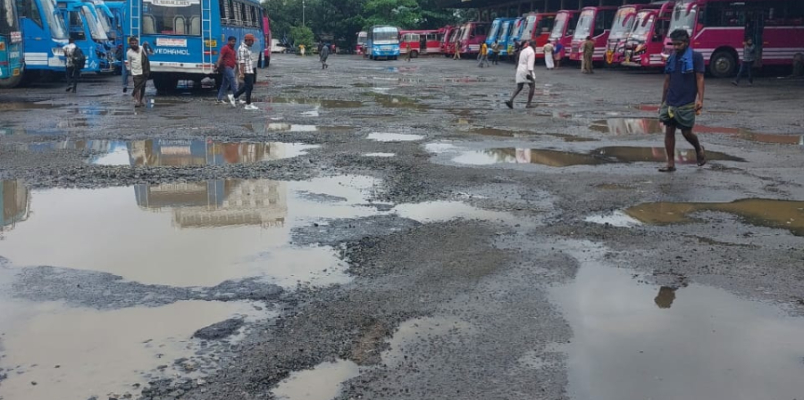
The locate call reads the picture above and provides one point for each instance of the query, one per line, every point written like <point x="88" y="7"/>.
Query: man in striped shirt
<point x="246" y="67"/>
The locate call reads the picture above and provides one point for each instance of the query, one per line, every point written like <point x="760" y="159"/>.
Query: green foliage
<point x="302" y="35"/>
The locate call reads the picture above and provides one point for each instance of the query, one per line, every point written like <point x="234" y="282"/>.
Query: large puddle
<point x="557" y="158"/>
<point x="486" y="131"/>
<point x="650" y="126"/>
<point x="325" y="103"/>
<point x="320" y="383"/>
<point x="633" y="340"/>
<point x="183" y="234"/>
<point x="778" y="214"/>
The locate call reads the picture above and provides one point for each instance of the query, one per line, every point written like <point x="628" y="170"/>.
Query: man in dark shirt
<point x="227" y="61"/>
<point x="682" y="97"/>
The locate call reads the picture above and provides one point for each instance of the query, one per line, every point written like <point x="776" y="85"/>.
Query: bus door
<point x="754" y="28"/>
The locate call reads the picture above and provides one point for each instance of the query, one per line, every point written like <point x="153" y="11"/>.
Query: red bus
<point x="362" y="37"/>
<point x="719" y="27"/>
<point x="645" y="44"/>
<point x="266" y="30"/>
<point x="454" y="37"/>
<point x="445" y="39"/>
<point x="564" y="29"/>
<point x="421" y="42"/>
<point x="621" y="27"/>
<point x="594" y="22"/>
<point x="473" y="34"/>
<point x="538" y="28"/>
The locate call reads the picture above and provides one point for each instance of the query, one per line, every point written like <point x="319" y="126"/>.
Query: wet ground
<point x="392" y="230"/>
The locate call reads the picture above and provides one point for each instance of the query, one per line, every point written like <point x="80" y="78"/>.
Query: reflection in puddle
<point x="778" y="214"/>
<point x="617" y="218"/>
<point x="519" y="134"/>
<point x="647" y="126"/>
<point x="323" y="382"/>
<point x="393" y="137"/>
<point x="390" y="101"/>
<point x="14" y="205"/>
<point x="638" y="341"/>
<point x="185" y="234"/>
<point x="75" y="353"/>
<point x="316" y="102"/>
<point x="605" y="155"/>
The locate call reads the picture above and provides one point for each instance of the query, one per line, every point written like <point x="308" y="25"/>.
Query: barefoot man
<point x="682" y="97"/>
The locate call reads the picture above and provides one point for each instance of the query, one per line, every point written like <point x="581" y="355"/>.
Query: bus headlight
<point x="57" y="51"/>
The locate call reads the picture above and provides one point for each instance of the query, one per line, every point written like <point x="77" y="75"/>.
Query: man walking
<point x="524" y="73"/>
<point x="484" y="55"/>
<point x="407" y="51"/>
<point x="457" y="55"/>
<point x="682" y="97"/>
<point x="588" y="51"/>
<point x="227" y="62"/>
<point x="749" y="55"/>
<point x="495" y="52"/>
<point x="323" y="55"/>
<point x="72" y="71"/>
<point x="140" y="69"/>
<point x="246" y="65"/>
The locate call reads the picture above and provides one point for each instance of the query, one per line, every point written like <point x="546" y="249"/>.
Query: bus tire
<point x="723" y="64"/>
<point x="14" y="81"/>
<point x="414" y="54"/>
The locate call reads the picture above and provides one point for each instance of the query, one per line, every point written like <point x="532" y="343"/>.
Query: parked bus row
<point x="632" y="35"/>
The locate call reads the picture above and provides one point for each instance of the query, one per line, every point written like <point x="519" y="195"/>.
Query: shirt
<point x="68" y="54"/>
<point x="228" y="57"/>
<point x="527" y="59"/>
<point x="244" y="57"/>
<point x="684" y="87"/>
<point x="135" y="61"/>
<point x="749" y="53"/>
<point x="588" y="48"/>
<point x="484" y="50"/>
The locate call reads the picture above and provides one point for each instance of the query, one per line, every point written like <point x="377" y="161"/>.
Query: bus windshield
<point x="505" y="30"/>
<point x="559" y="25"/>
<point x="643" y="25"/>
<point x="545" y="24"/>
<point x="620" y="27"/>
<point x="54" y="19"/>
<point x="467" y="32"/>
<point x="173" y="17"/>
<point x="495" y="27"/>
<point x="106" y="24"/>
<point x="683" y="19"/>
<point x="386" y="35"/>
<point x="361" y="38"/>
<point x="95" y="27"/>
<point x="8" y="17"/>
<point x="584" y="26"/>
<point x="527" y="32"/>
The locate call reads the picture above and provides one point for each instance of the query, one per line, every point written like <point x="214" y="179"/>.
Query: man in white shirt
<point x="524" y="73"/>
<point x="246" y="65"/>
<point x="137" y="63"/>
<point x="72" y="72"/>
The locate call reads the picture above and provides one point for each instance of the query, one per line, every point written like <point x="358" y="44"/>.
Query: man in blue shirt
<point x="682" y="98"/>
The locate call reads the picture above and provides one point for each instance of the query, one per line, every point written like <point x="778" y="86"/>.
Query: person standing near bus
<point x="524" y="73"/>
<point x="548" y="55"/>
<point x="682" y="97"/>
<point x="407" y="51"/>
<point x="484" y="55"/>
<point x="749" y="56"/>
<point x="588" y="51"/>
<point x="227" y="62"/>
<point x="72" y="78"/>
<point x="140" y="69"/>
<point x="558" y="54"/>
<point x="495" y="52"/>
<point x="457" y="55"/>
<point x="323" y="56"/>
<point x="246" y="65"/>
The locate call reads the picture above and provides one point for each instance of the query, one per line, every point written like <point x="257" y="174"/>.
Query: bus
<point x="621" y="27"/>
<point x="538" y="27"/>
<point x="268" y="37"/>
<point x="645" y="44"/>
<point x="564" y="29"/>
<point x="498" y="28"/>
<point x="362" y="36"/>
<point x="506" y="30"/>
<point x="383" y="41"/>
<point x="472" y="36"/>
<point x="44" y="34"/>
<point x="454" y="36"/>
<point x="11" y="48"/>
<point x="445" y="37"/>
<point x="186" y="35"/>
<point x="87" y="31"/>
<point x="421" y="42"/>
<point x="594" y="22"/>
<point x="516" y="33"/>
<point x="718" y="28"/>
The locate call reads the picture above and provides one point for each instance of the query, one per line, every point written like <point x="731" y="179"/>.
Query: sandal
<point x="701" y="160"/>
<point x="667" y="169"/>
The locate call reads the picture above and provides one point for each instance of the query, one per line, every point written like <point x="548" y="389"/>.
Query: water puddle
<point x="390" y="101"/>
<point x="393" y="137"/>
<point x="380" y="155"/>
<point x="51" y="351"/>
<point x="323" y="382"/>
<point x="777" y="214"/>
<point x="325" y="103"/>
<point x="440" y="211"/>
<point x="605" y="155"/>
<point x="633" y="340"/>
<point x="14" y="205"/>
<point x="21" y="105"/>
<point x="652" y="126"/>
<point x="184" y="234"/>
<point x="617" y="218"/>
<point x="527" y="134"/>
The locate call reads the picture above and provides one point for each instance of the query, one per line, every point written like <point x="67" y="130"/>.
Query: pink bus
<point x="621" y="27"/>
<point x="446" y="35"/>
<point x="360" y="47"/>
<point x="538" y="28"/>
<point x="452" y="38"/>
<point x="473" y="34"/>
<point x="645" y="44"/>
<point x="564" y="29"/>
<point x="594" y="22"/>
<point x="266" y="30"/>
<point x="719" y="27"/>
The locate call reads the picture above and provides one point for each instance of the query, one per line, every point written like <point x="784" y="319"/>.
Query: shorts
<point x="682" y="117"/>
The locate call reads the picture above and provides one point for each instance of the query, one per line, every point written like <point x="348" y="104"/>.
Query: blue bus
<point x="499" y="29"/>
<point x="11" y="60"/>
<point x="84" y="27"/>
<point x="506" y="30"/>
<point x="516" y="33"/>
<point x="119" y="22"/>
<point x="44" y="34"/>
<point x="186" y="35"/>
<point x="383" y="41"/>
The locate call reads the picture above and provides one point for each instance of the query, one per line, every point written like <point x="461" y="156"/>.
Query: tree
<point x="302" y="35"/>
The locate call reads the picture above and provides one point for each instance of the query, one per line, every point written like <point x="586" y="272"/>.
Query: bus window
<point x="224" y="11"/>
<point x="32" y="13"/>
<point x="172" y="18"/>
<point x="76" y="26"/>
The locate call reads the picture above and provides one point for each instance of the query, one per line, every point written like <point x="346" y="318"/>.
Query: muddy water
<point x="605" y="155"/>
<point x="325" y="103"/>
<point x="779" y="214"/>
<point x="393" y="137"/>
<point x="323" y="382"/>
<point x="516" y="134"/>
<point x="634" y="341"/>
<point x="184" y="234"/>
<point x="75" y="353"/>
<point x="649" y="126"/>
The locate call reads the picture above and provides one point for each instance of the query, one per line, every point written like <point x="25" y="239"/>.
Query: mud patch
<point x="777" y="214"/>
<point x="323" y="382"/>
